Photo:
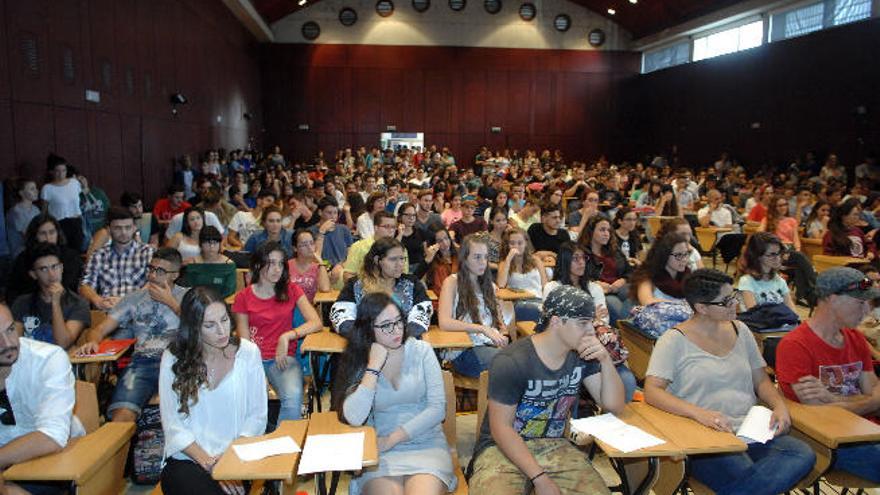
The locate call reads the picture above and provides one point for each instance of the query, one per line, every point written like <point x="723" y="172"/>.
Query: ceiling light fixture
<point x="302" y="2"/>
<point x="633" y="1"/>
<point x="611" y="11"/>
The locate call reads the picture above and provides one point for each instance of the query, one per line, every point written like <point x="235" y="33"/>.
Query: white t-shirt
<point x="210" y="219"/>
<point x="771" y="291"/>
<point x="245" y="225"/>
<point x="63" y="200"/>
<point x="721" y="217"/>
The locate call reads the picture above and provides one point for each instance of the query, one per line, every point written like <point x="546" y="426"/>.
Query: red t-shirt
<point x="162" y="209"/>
<point x="757" y="213"/>
<point x="802" y="353"/>
<point x="268" y="318"/>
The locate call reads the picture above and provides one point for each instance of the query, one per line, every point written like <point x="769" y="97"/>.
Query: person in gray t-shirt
<point x="709" y="369"/>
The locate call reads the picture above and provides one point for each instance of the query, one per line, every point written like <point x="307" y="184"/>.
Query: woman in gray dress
<point x="394" y="383"/>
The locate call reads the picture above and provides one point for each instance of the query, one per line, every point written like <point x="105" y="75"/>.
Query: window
<point x="729" y="41"/>
<point x="846" y="11"/>
<point x="798" y="21"/>
<point x="669" y="56"/>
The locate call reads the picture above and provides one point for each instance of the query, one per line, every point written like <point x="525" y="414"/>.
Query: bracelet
<point x="533" y="478"/>
<point x="373" y="371"/>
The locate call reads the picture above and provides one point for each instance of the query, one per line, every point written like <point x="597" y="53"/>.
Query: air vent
<point x="311" y="30"/>
<point x="68" y="68"/>
<point x="129" y="81"/>
<point x="106" y="74"/>
<point x="457" y="5"/>
<point x="348" y="17"/>
<point x="527" y="11"/>
<point x="421" y="5"/>
<point x="30" y="55"/>
<point x="148" y="85"/>
<point x="384" y="8"/>
<point x="562" y="23"/>
<point x="492" y="6"/>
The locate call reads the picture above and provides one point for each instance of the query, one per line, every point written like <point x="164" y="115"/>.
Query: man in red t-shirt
<point x="826" y="361"/>
<point x="165" y="208"/>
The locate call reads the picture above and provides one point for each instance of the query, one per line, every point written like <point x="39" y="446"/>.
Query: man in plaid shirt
<point x="115" y="270"/>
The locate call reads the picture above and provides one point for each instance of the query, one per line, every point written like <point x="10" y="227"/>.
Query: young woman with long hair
<point x="395" y="384"/>
<point x="596" y="239"/>
<point x="468" y="304"/>
<point x="845" y="237"/>
<point x="519" y="268"/>
<point x="212" y="391"/>
<point x="186" y="242"/>
<point x="761" y="262"/>
<point x="383" y="271"/>
<point x="661" y="276"/>
<point x="683" y="227"/>
<point x="43" y="228"/>
<point x="816" y="223"/>
<point x="24" y="193"/>
<point x="626" y="234"/>
<point x="264" y="314"/>
<point x="498" y="224"/>
<point x="442" y="260"/>
<point x="780" y="223"/>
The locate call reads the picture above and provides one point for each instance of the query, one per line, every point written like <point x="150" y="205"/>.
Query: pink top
<point x="307" y="280"/>
<point x="786" y="229"/>
<point x="268" y="318"/>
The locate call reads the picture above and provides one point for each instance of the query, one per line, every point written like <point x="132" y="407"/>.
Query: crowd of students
<point x="384" y="228"/>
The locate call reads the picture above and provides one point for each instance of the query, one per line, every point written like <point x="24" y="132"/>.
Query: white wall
<point x="442" y="26"/>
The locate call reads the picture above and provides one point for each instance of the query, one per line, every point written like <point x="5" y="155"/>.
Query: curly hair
<point x="655" y="262"/>
<point x="190" y="371"/>
<point x="30" y="234"/>
<point x="704" y="285"/>
<point x="586" y="237"/>
<point x="353" y="361"/>
<point x="840" y="241"/>
<point x="468" y="304"/>
<point x="773" y="216"/>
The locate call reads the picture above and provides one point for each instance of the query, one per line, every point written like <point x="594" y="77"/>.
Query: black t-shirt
<point x="542" y="241"/>
<point x="415" y="248"/>
<point x="543" y="397"/>
<point x="35" y="314"/>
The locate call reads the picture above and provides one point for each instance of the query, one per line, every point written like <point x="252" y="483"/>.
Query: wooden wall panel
<point x="72" y="137"/>
<point x="34" y="132"/>
<point x="7" y="141"/>
<point x="66" y="53"/>
<point x="28" y="48"/>
<point x="366" y="96"/>
<point x="4" y="59"/>
<point x="473" y="110"/>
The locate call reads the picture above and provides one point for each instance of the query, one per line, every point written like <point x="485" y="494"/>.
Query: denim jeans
<point x="288" y="385"/>
<point x="475" y="360"/>
<point x="770" y="468"/>
<point x="137" y="385"/>
<point x="860" y="460"/>
<point x="629" y="381"/>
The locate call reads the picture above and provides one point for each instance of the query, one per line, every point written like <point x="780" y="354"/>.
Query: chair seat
<point x="465" y="382"/>
<point x="842" y="478"/>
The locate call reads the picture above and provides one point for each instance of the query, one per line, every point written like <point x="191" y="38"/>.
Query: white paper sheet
<point x="259" y="450"/>
<point x="322" y="453"/>
<point x="756" y="426"/>
<point x="616" y="433"/>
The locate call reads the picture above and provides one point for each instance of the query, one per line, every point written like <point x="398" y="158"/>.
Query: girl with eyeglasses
<point x="661" y="276"/>
<point x="264" y="314"/>
<point x="761" y="261"/>
<point x="383" y="271"/>
<point x="626" y="234"/>
<point x="394" y="383"/>
<point x="709" y="369"/>
<point x="413" y="238"/>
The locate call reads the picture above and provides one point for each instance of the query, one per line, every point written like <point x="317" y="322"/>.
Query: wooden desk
<point x="279" y="467"/>
<point x="691" y="437"/>
<point x="526" y="328"/>
<point x="822" y="262"/>
<point x="432" y="295"/>
<point x="832" y="425"/>
<point x="623" y="462"/>
<point x="440" y="339"/>
<point x="329" y="296"/>
<point x="706" y="236"/>
<point x="88" y="359"/>
<point x="327" y="342"/>
<point x="327" y="423"/>
<point x="93" y="462"/>
<point x="514" y="294"/>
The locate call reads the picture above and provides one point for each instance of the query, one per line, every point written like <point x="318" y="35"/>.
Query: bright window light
<point x="729" y="41"/>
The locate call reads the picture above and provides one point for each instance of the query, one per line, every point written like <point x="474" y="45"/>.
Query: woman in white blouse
<point x="212" y="390"/>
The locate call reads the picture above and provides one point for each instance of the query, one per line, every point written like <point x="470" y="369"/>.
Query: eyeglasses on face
<point x="680" y="256"/>
<point x="391" y="327"/>
<point x="734" y="297"/>
<point x="158" y="270"/>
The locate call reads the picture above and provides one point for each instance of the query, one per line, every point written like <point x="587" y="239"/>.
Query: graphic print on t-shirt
<point x="543" y="409"/>
<point x="842" y="379"/>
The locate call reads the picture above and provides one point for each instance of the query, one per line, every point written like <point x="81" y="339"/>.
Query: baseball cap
<point x="845" y="281"/>
<point x="565" y="301"/>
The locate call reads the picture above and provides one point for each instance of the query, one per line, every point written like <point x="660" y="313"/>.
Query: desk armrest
<point x="832" y="425"/>
<point x="79" y="461"/>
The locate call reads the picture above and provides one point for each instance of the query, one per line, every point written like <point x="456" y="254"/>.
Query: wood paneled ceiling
<point x="641" y="19"/>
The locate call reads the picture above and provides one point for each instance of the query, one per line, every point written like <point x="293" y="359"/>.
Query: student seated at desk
<point x="212" y="390"/>
<point x="36" y="398"/>
<point x="53" y="313"/>
<point x="761" y="262"/>
<point x="519" y="268"/>
<point x="396" y="381"/>
<point x="149" y="315"/>
<point x="710" y="370"/>
<point x="826" y="361"/>
<point x="468" y="304"/>
<point x="533" y="386"/>
<point x="264" y="314"/>
<point x="383" y="271"/>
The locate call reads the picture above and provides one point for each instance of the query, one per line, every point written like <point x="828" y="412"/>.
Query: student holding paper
<point x="395" y="383"/>
<point x="533" y="386"/>
<point x="212" y="390"/>
<point x="709" y="369"/>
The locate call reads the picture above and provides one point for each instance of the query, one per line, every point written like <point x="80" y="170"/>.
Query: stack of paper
<point x="611" y="430"/>
<point x="259" y="450"/>
<point x="756" y="426"/>
<point x="323" y="453"/>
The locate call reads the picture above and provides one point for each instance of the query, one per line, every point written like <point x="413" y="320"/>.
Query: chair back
<point x="86" y="406"/>
<point x="822" y="262"/>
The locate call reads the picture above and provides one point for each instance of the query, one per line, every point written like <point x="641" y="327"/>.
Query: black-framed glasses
<point x="390" y="327"/>
<point x="158" y="270"/>
<point x="680" y="256"/>
<point x="777" y="254"/>
<point x="734" y="297"/>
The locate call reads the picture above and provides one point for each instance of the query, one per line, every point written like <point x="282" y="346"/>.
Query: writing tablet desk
<point x="622" y="460"/>
<point x="825" y="429"/>
<point x="440" y="339"/>
<point x="279" y="467"/>
<point x="323" y="342"/>
<point x="79" y="362"/>
<point x="327" y="423"/>
<point x="691" y="438"/>
<point x="93" y="463"/>
<point x="514" y="294"/>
